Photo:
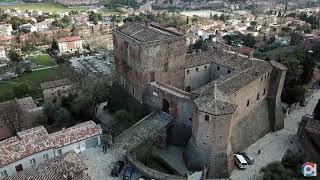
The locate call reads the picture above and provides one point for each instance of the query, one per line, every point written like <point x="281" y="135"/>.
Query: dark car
<point x="128" y="173"/>
<point x="117" y="168"/>
<point x="248" y="158"/>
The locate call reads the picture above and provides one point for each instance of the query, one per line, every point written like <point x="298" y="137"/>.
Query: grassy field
<point x="43" y="60"/>
<point x="44" y="7"/>
<point x="33" y="80"/>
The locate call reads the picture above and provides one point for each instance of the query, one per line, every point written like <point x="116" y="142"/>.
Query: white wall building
<point x="6" y="29"/>
<point x="33" y="146"/>
<point x="70" y="44"/>
<point x="3" y="55"/>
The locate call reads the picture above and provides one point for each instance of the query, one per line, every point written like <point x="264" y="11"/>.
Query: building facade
<point x="70" y="44"/>
<point x="33" y="146"/>
<point x="228" y="100"/>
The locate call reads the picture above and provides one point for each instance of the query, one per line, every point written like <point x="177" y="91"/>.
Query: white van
<point x="240" y="161"/>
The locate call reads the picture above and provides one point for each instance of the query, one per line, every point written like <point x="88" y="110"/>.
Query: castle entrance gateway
<point x="165" y="106"/>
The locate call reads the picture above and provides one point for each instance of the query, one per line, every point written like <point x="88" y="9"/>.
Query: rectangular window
<point x="218" y="68"/>
<point x="59" y="152"/>
<point x="4" y="173"/>
<point x="188" y="89"/>
<point x="258" y="96"/>
<point x="152" y="76"/>
<point x="206" y="117"/>
<point x="45" y="156"/>
<point x="229" y="71"/>
<point x="33" y="161"/>
<point x="264" y="91"/>
<point x="197" y="69"/>
<point x="205" y="67"/>
<point x="188" y="71"/>
<point x="133" y="89"/>
<point x="190" y="119"/>
<point x="166" y="67"/>
<point x="248" y="102"/>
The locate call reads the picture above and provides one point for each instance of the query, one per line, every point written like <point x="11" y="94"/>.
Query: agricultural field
<point x="44" y="7"/>
<point x="30" y="80"/>
<point x="42" y="60"/>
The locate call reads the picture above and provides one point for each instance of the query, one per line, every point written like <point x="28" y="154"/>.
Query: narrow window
<point x="197" y="69"/>
<point x="248" y="102"/>
<point x="4" y="173"/>
<point x="166" y="66"/>
<point x="45" y="156"/>
<point x="188" y="89"/>
<point x="218" y="68"/>
<point x="132" y="89"/>
<point x="206" y="117"/>
<point x="258" y="96"/>
<point x="262" y="78"/>
<point x="59" y="152"/>
<point x="152" y="76"/>
<point x="264" y="91"/>
<point x="33" y="161"/>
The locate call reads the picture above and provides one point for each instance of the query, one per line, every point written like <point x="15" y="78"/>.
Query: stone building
<point x="57" y="89"/>
<point x="70" y="44"/>
<point x="17" y="114"/>
<point x="33" y="146"/>
<point x="68" y="166"/>
<point x="227" y="100"/>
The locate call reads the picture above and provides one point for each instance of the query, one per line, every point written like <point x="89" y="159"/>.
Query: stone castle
<point x="227" y="100"/>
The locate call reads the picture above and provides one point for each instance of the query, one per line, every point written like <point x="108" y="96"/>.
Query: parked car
<point x="240" y="161"/>
<point x="128" y="173"/>
<point x="248" y="158"/>
<point x="117" y="168"/>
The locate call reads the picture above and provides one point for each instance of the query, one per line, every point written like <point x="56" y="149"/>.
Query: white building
<point x="33" y="146"/>
<point x="3" y="55"/>
<point x="28" y="27"/>
<point x="70" y="44"/>
<point x="6" y="29"/>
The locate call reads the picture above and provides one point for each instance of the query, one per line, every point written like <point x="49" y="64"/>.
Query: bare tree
<point x="11" y="115"/>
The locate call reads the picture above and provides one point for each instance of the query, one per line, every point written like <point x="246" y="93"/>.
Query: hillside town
<point x="159" y="90"/>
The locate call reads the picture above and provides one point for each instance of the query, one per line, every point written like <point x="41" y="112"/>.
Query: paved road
<point x="100" y="164"/>
<point x="274" y="145"/>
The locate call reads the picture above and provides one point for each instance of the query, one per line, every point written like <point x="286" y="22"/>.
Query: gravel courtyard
<point x="274" y="145"/>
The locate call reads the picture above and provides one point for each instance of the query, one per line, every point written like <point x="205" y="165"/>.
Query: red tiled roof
<point x="37" y="139"/>
<point x="24" y="144"/>
<point x="74" y="134"/>
<point x="5" y="38"/>
<point x="69" y="39"/>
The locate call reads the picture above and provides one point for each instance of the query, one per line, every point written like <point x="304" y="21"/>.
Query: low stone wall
<point x="151" y="172"/>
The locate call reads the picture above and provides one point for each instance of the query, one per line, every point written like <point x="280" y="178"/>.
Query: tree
<point x="222" y="17"/>
<point x="96" y="89"/>
<point x="316" y="111"/>
<point x="11" y="115"/>
<point x="215" y="17"/>
<point x="276" y="170"/>
<point x="50" y="110"/>
<point x="54" y="45"/>
<point x="293" y="94"/>
<point x="22" y="90"/>
<point x="14" y="56"/>
<point x="62" y="115"/>
<point x="249" y="40"/>
<point x="308" y="65"/>
<point x="296" y="39"/>
<point x="95" y="17"/>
